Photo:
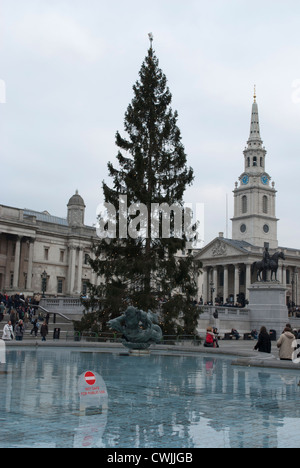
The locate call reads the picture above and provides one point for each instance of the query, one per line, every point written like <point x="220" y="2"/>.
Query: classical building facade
<point x="227" y="263"/>
<point x="34" y="245"/>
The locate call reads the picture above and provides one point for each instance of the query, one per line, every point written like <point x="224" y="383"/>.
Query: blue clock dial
<point x="245" y="179"/>
<point x="264" y="179"/>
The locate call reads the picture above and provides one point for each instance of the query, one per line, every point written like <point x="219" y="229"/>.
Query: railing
<point x="225" y="311"/>
<point x="62" y="303"/>
<point x="93" y="337"/>
<point x="181" y="340"/>
<point x="46" y="311"/>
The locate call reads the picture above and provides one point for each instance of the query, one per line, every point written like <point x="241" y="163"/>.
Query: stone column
<point x="30" y="264"/>
<point x="236" y="282"/>
<point x="79" y="272"/>
<point x="205" y="283"/>
<point x="279" y="274"/>
<point x="248" y="281"/>
<point x="225" y="286"/>
<point x="294" y="283"/>
<point x="72" y="261"/>
<point x="215" y="281"/>
<point x="284" y="275"/>
<point x="17" y="262"/>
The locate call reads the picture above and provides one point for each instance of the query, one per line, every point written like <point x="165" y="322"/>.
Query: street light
<point x="44" y="283"/>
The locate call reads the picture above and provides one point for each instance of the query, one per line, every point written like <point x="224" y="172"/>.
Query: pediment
<point x="222" y="248"/>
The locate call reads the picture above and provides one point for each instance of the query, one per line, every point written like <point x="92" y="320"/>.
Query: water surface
<point x="158" y="401"/>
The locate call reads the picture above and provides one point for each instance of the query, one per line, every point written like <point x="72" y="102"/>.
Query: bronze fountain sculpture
<point x="139" y="329"/>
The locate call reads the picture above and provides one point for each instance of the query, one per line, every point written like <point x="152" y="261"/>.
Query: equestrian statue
<point x="268" y="263"/>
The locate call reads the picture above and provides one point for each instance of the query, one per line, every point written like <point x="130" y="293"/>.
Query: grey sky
<point x="69" y="67"/>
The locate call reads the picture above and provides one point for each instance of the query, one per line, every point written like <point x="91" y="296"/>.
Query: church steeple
<point x="254" y="218"/>
<point x="254" y="126"/>
<point x="254" y="152"/>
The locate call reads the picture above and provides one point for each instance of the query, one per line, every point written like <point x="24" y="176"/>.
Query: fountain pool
<point x="156" y="401"/>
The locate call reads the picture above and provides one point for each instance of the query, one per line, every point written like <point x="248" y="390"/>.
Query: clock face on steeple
<point x="245" y="179"/>
<point x="264" y="179"/>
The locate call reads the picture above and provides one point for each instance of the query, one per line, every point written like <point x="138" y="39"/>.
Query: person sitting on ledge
<point x="235" y="334"/>
<point x="210" y="340"/>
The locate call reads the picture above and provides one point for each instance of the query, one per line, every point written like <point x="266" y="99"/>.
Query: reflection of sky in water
<point x="156" y="401"/>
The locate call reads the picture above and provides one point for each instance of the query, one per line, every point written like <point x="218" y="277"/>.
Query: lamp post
<point x="44" y="283"/>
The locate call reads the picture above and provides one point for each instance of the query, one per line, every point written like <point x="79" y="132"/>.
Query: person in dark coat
<point x="44" y="330"/>
<point x="264" y="341"/>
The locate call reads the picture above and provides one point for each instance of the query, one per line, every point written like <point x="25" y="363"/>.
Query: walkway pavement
<point x="241" y="351"/>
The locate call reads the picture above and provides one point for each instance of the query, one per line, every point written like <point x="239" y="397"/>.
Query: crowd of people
<point x="287" y="342"/>
<point x="20" y="313"/>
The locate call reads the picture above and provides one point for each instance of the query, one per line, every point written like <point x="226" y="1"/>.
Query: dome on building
<point x="76" y="200"/>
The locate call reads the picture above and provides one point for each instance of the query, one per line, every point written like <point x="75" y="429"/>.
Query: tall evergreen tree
<point x="136" y="266"/>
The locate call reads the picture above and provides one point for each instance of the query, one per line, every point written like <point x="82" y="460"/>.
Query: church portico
<point x="226" y="282"/>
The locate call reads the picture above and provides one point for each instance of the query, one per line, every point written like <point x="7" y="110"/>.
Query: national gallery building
<point x="40" y="252"/>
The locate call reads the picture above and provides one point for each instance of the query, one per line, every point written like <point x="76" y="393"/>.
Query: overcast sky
<point x="68" y="67"/>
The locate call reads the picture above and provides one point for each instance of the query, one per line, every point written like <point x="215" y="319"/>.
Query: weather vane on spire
<point x="254" y="93"/>
<point x="151" y="39"/>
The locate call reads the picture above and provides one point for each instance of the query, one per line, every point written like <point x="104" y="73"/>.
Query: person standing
<point x="44" y="330"/>
<point x="2" y="311"/>
<point x="19" y="330"/>
<point x="263" y="344"/>
<point x="285" y="343"/>
<point x="35" y="327"/>
<point x="8" y="332"/>
<point x="13" y="318"/>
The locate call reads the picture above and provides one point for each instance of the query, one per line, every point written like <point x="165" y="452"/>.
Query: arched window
<point x="265" y="204"/>
<point x="255" y="161"/>
<point x="244" y="204"/>
<point x="248" y="162"/>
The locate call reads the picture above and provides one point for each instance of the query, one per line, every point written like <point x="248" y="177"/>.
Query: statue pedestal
<point x="267" y="304"/>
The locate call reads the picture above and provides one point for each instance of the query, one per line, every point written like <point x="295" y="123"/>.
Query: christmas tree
<point x="143" y="234"/>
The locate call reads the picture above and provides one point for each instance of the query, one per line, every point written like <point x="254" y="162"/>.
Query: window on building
<point x="288" y="277"/>
<point x="255" y="161"/>
<point x="60" y="285"/>
<point x="86" y="258"/>
<point x="62" y="256"/>
<point x="244" y="204"/>
<point x="265" y="204"/>
<point x="46" y="253"/>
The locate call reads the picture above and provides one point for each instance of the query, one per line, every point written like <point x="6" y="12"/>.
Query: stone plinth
<point x="267" y="304"/>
